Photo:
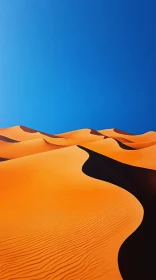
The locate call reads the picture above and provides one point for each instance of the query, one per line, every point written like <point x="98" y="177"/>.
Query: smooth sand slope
<point x="146" y="137"/>
<point x="60" y="223"/>
<point x="25" y="148"/>
<point x="136" y="253"/>
<point x="66" y="211"/>
<point x="145" y="157"/>
<point x="21" y="133"/>
<point x="85" y="134"/>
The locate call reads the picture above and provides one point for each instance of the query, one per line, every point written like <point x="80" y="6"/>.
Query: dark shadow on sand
<point x="122" y="146"/>
<point x="3" y="159"/>
<point x="95" y="132"/>
<point x="122" y="132"/>
<point x="137" y="254"/>
<point x="29" y="130"/>
<point x="6" y="139"/>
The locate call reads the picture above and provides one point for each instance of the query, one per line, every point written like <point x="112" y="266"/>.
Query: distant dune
<point x="79" y="205"/>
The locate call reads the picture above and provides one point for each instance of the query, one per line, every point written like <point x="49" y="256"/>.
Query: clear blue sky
<point x="70" y="64"/>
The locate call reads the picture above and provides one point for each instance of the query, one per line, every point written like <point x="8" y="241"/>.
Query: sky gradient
<point x="71" y="64"/>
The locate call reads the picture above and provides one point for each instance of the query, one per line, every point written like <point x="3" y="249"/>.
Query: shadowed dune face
<point x="123" y="140"/>
<point x="111" y="148"/>
<point x="3" y="159"/>
<point x="112" y="171"/>
<point x="121" y="143"/>
<point x="134" y="256"/>
<point x="95" y="132"/>
<point x="125" y="147"/>
<point x="80" y="212"/>
<point x="6" y="139"/>
<point x="29" y="130"/>
<point x="122" y="132"/>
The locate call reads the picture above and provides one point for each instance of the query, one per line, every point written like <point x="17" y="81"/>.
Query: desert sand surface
<point x="146" y="137"/>
<point x="145" y="157"/>
<point x="78" y="205"/>
<point x="25" y="148"/>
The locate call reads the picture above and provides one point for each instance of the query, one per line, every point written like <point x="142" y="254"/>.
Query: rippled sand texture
<point x="72" y="205"/>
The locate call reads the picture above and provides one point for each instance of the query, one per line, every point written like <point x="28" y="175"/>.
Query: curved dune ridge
<point x="26" y="148"/>
<point x="79" y="205"/>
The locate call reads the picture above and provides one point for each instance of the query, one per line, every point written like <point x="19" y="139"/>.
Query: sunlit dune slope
<point x="136" y="253"/>
<point x="21" y="133"/>
<point x="69" y="203"/>
<point x="60" y="223"/>
<point x="24" y="148"/>
<point x="141" y="145"/>
<point x="143" y="157"/>
<point x="82" y="133"/>
<point x="146" y="137"/>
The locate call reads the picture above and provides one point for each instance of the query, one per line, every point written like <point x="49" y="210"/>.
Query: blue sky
<point x="70" y="64"/>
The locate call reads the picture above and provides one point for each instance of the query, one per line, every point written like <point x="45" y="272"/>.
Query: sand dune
<point x="109" y="147"/>
<point x="68" y="212"/>
<point x="30" y="130"/>
<point x="131" y="144"/>
<point x="135" y="255"/>
<point x="25" y="148"/>
<point x="85" y="134"/>
<point x="141" y="145"/>
<point x="146" y="137"/>
<point x="18" y="134"/>
<point x="74" y="225"/>
<point x="6" y="139"/>
<point x="21" y="133"/>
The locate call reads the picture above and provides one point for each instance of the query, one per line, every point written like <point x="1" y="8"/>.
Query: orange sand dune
<point x="65" y="213"/>
<point x="21" y="133"/>
<point x="109" y="147"/>
<point x="25" y="148"/>
<point x="146" y="137"/>
<point x="121" y="139"/>
<point x="85" y="134"/>
<point x="79" y="136"/>
<point x="60" y="223"/>
<point x="17" y="133"/>
<point x="141" y="145"/>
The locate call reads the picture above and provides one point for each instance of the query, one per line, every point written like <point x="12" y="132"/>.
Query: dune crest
<point x="71" y="202"/>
